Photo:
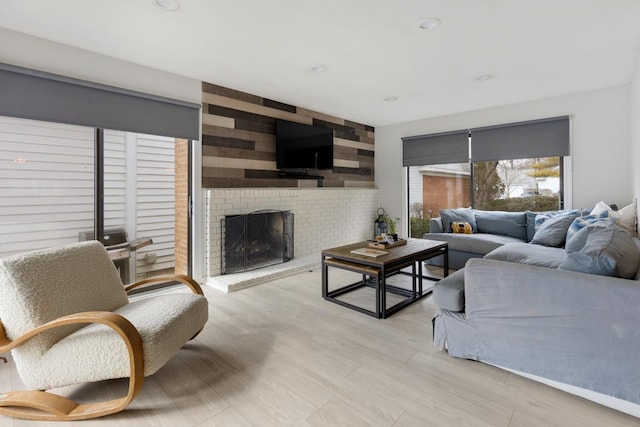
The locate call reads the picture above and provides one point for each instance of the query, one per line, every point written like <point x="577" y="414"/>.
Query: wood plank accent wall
<point x="239" y="143"/>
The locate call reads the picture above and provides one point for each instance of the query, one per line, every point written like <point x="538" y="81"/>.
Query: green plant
<point x="518" y="204"/>
<point x="391" y="223"/>
<point x="419" y="220"/>
<point x="419" y="227"/>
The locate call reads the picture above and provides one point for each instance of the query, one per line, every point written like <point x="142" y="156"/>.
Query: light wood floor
<point x="279" y="355"/>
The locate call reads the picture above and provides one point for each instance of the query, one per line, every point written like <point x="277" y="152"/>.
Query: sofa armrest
<point x="435" y="225"/>
<point x="505" y="289"/>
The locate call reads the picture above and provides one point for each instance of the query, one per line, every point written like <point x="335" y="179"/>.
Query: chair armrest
<point x="186" y="280"/>
<point x="118" y="323"/>
<point x="21" y="404"/>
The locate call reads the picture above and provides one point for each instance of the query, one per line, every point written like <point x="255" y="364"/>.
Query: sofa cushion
<point x="551" y="230"/>
<point x="479" y="243"/>
<point x="604" y="249"/>
<point x="457" y="215"/>
<point x="512" y="224"/>
<point x="448" y="293"/>
<point x="625" y="217"/>
<point x="527" y="253"/>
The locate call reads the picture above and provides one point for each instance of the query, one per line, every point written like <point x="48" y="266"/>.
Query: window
<point x="512" y="167"/>
<point x="73" y="159"/>
<point x="47" y="190"/>
<point x="517" y="184"/>
<point x="436" y="187"/>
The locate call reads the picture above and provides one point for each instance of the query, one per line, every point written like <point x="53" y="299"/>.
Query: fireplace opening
<point x="256" y="240"/>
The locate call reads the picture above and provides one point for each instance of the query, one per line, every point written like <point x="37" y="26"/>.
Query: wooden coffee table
<point x="375" y="270"/>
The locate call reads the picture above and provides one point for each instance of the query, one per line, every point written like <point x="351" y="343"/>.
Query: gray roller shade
<point x="523" y="140"/>
<point x="36" y="95"/>
<point x="436" y="149"/>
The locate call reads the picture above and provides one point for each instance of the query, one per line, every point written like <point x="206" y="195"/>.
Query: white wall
<point x="635" y="127"/>
<point x="601" y="144"/>
<point x="32" y="52"/>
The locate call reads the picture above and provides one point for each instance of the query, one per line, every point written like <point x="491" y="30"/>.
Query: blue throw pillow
<point x="602" y="248"/>
<point x="532" y="225"/>
<point x="551" y="230"/>
<point x="581" y="222"/>
<point x="457" y="215"/>
<point x="543" y="216"/>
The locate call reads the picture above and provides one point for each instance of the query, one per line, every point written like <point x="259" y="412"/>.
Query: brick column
<point x="182" y="199"/>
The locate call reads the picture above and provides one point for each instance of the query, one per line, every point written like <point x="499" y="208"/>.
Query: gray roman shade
<point x="436" y="149"/>
<point x="37" y="95"/>
<point x="523" y="140"/>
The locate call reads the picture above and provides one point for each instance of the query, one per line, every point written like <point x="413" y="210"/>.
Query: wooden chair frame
<point x="45" y="406"/>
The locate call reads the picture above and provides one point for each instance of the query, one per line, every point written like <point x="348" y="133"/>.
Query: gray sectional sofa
<point x="491" y="229"/>
<point x="567" y="315"/>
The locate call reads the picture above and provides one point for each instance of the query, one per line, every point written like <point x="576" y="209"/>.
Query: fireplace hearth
<point x="256" y="240"/>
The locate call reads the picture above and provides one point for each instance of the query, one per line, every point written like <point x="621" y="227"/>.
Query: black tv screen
<point x="300" y="146"/>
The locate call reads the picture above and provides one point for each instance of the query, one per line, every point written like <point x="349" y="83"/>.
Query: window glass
<point x="436" y="187"/>
<point x="505" y="185"/>
<point x="517" y="185"/>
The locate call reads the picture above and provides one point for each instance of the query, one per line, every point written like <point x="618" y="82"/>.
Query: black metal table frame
<point x="377" y="280"/>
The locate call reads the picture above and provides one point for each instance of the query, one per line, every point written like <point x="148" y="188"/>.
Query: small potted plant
<point x="391" y="226"/>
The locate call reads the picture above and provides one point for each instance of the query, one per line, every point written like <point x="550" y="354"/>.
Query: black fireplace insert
<point x="256" y="240"/>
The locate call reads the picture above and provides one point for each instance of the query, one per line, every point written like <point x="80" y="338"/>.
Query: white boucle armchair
<point x="66" y="318"/>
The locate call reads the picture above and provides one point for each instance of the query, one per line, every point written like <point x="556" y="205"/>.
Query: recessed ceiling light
<point x="430" y="23"/>
<point x="20" y="160"/>
<point x="168" y="5"/>
<point x="484" y="77"/>
<point x="319" y="68"/>
<point x="391" y="99"/>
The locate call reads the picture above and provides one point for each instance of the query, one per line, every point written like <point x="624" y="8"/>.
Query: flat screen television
<point x="303" y="147"/>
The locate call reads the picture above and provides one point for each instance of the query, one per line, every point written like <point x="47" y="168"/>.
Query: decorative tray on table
<point x="387" y="245"/>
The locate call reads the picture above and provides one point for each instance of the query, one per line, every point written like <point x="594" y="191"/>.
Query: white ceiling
<point x="372" y="49"/>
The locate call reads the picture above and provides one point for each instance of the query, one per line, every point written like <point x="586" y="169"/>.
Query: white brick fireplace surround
<point x="323" y="218"/>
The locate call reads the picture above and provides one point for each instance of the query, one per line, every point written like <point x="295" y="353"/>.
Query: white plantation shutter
<point x="47" y="188"/>
<point x="46" y="184"/>
<point x="155" y="205"/>
<point x="115" y="200"/>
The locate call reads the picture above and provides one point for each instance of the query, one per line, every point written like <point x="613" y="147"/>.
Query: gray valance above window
<point x="436" y="149"/>
<point x="523" y="140"/>
<point x="31" y="94"/>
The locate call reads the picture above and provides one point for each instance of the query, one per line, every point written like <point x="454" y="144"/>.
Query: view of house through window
<point x="506" y="185"/>
<point x="47" y="190"/>
<point x="436" y="187"/>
